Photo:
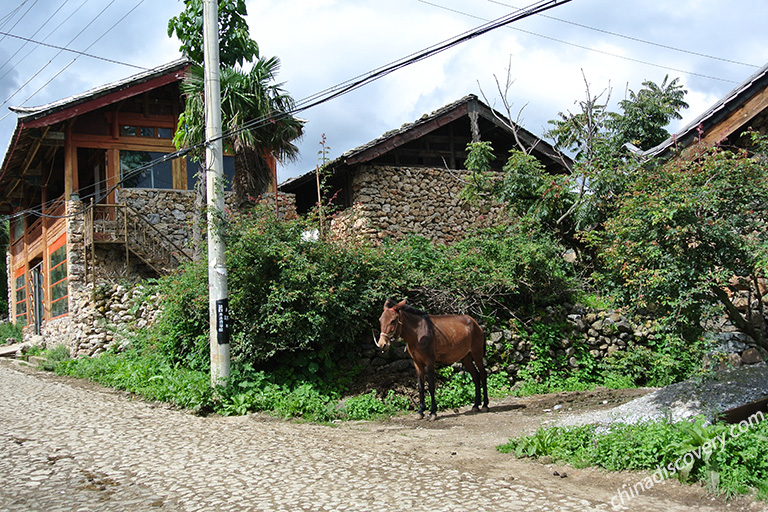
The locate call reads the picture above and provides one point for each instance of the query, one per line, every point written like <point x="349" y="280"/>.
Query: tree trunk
<point x="252" y="175"/>
<point x="738" y="319"/>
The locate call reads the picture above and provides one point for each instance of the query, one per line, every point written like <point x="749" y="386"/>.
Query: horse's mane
<point x="413" y="311"/>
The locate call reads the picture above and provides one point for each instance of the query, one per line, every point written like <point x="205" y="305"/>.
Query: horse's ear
<point x="400" y="305"/>
<point x="389" y="303"/>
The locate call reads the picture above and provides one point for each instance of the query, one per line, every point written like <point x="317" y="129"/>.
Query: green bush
<point x="548" y="370"/>
<point x="300" y="306"/>
<point x="487" y="275"/>
<point x="369" y="406"/>
<point x="665" y="359"/>
<point x="145" y="374"/>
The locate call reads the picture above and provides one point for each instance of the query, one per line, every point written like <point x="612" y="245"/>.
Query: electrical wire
<point x="79" y="53"/>
<point x="635" y="39"/>
<point x="575" y="45"/>
<point x="77" y="57"/>
<point x="22" y="16"/>
<point x="330" y="93"/>
<point x="4" y="34"/>
<point x="45" y="38"/>
<point x="51" y="60"/>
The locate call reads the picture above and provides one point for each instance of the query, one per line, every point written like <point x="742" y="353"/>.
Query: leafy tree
<point x="235" y="44"/>
<point x="683" y="230"/>
<point x="249" y="98"/>
<point x="599" y="139"/>
<point x="255" y="109"/>
<point x="646" y="114"/>
<point x="582" y="200"/>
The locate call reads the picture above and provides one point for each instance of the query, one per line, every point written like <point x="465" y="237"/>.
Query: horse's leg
<point x="470" y="367"/>
<point x="420" y="375"/>
<point x="483" y="381"/>
<point x="431" y="381"/>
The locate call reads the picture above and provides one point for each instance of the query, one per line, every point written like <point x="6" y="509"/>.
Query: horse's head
<point x="391" y="324"/>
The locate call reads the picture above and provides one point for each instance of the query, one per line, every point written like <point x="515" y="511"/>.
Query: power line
<point x="22" y="16"/>
<point x="46" y="37"/>
<point x="77" y="52"/>
<point x="51" y="60"/>
<point x="361" y="80"/>
<point x="33" y="35"/>
<point x="575" y="45"/>
<point x="635" y="39"/>
<point x="336" y="90"/>
<point x="78" y="56"/>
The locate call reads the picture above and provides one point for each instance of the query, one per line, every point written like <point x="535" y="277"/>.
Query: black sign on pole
<point x="222" y="321"/>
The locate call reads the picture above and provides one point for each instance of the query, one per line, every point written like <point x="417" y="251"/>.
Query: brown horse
<point x="436" y="338"/>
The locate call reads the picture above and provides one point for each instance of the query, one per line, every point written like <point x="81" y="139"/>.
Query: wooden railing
<point x="121" y="224"/>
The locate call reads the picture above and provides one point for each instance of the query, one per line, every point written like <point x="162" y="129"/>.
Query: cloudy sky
<point x="711" y="45"/>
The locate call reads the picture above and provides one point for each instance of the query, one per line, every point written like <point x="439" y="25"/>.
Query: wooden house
<point x="724" y="123"/>
<point x="95" y="195"/>
<point x="409" y="179"/>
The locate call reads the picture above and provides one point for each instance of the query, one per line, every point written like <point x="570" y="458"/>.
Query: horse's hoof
<point x="432" y="417"/>
<point x="419" y="415"/>
<point x="475" y="409"/>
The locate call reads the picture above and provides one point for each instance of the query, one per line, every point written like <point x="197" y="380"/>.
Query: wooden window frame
<point x="60" y="243"/>
<point x="20" y="273"/>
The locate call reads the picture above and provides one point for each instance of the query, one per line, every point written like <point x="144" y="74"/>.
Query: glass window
<point x="147" y="131"/>
<point x="136" y="171"/>
<point x="193" y="168"/>
<point x="18" y="228"/>
<point x="164" y="133"/>
<point x="58" y="282"/>
<point x="21" y="300"/>
<point x="130" y="131"/>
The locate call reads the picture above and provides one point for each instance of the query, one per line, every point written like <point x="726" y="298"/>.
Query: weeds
<point x="736" y="466"/>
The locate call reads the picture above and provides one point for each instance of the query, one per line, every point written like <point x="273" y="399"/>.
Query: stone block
<point x="751" y="356"/>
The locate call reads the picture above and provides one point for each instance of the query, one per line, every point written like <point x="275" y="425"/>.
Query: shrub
<point x="10" y="332"/>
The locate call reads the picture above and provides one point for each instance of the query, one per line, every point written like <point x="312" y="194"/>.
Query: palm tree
<point x="256" y="122"/>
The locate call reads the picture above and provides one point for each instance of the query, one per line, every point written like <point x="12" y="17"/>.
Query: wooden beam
<point x="70" y="164"/>
<point x="735" y="122"/>
<point x="112" y="173"/>
<point x="406" y="136"/>
<point x="102" y="101"/>
<point x="33" y="152"/>
<point x="127" y="143"/>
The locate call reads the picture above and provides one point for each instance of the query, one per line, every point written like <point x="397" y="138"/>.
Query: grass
<point x="728" y="459"/>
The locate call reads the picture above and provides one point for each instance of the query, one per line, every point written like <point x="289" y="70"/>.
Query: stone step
<point x="10" y="350"/>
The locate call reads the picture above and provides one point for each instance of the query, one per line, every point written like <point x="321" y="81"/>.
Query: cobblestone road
<point x="73" y="448"/>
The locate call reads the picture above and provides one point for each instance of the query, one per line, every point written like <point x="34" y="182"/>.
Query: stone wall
<point x="602" y="332"/>
<point x="391" y="202"/>
<point x="170" y="211"/>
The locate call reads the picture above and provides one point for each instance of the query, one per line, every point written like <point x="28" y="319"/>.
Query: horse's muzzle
<point x="382" y="343"/>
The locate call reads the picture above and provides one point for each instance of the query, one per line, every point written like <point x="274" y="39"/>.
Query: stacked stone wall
<point x="170" y="211"/>
<point x="391" y="202"/>
<point x="602" y="332"/>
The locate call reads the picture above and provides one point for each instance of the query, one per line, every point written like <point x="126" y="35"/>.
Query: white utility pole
<point x="217" y="266"/>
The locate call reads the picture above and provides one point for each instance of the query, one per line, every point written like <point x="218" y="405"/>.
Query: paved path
<point x="73" y="448"/>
